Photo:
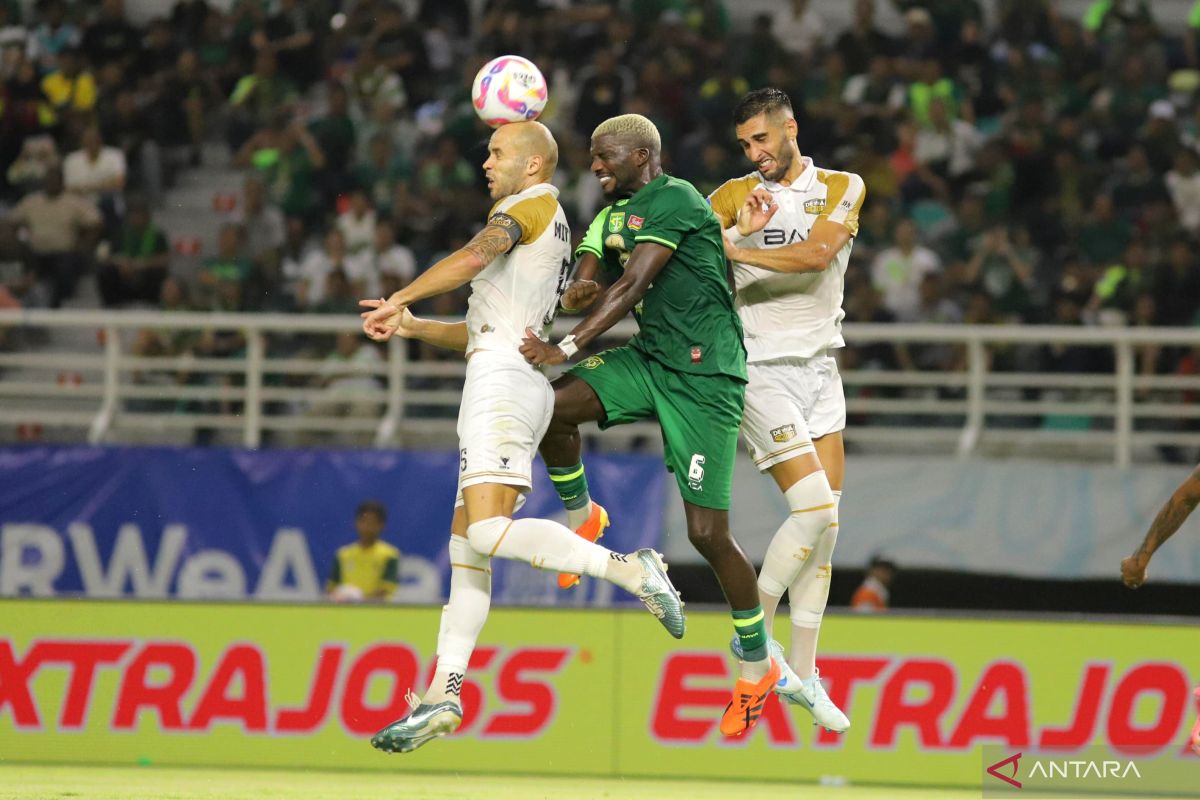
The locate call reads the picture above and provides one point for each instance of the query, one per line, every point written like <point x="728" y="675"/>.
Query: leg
<point x="832" y="453"/>
<point x="510" y="411"/>
<point x="810" y="513"/>
<point x="699" y="416"/>
<point x="708" y="531"/>
<point x="776" y="430"/>
<point x="575" y="402"/>
<point x="440" y="710"/>
<point x="464" y="614"/>
<point x="808" y="592"/>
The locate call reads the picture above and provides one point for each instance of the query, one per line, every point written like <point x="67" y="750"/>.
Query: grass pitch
<point x="19" y="782"/>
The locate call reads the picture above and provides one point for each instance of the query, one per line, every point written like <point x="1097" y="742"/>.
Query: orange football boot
<point x="746" y="707"/>
<point x="591" y="530"/>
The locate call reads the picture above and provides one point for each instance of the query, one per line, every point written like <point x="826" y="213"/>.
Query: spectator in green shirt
<point x="138" y="265"/>
<point x="225" y="277"/>
<point x="257" y="98"/>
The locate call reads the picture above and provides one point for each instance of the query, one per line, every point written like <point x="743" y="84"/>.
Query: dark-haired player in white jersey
<point x="789" y="227"/>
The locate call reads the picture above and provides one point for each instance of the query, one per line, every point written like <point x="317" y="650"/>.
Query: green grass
<point x="161" y="783"/>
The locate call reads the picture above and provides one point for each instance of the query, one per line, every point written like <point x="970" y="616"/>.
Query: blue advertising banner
<point x="235" y="524"/>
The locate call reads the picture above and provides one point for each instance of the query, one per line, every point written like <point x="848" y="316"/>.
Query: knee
<point x="559" y="427"/>
<point x="812" y="500"/>
<point x="485" y="535"/>
<point x="708" y="538"/>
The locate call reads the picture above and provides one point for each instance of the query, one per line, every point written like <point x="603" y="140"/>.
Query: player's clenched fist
<point x="1133" y="571"/>
<point x="541" y="353"/>
<point x="580" y="295"/>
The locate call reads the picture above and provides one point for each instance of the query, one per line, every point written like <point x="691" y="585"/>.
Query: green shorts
<point x="699" y="416"/>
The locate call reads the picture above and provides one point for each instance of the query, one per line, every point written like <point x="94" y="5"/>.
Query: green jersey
<point x="686" y="319"/>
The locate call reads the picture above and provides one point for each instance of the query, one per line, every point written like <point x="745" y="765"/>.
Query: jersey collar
<point x="802" y="184"/>
<point x="661" y="179"/>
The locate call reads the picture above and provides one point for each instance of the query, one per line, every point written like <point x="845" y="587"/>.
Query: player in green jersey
<point x="659" y="246"/>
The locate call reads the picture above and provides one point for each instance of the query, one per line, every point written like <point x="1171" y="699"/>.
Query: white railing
<point x="105" y="389"/>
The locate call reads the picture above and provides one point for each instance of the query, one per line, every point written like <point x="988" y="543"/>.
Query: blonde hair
<point x="638" y="129"/>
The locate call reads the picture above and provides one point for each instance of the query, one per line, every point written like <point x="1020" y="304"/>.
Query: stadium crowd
<point x="1021" y="165"/>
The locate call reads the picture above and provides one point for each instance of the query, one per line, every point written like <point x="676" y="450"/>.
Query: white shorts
<point x="506" y="408"/>
<point x="790" y="402"/>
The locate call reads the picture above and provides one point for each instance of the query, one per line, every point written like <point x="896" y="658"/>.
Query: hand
<point x="579" y="295"/>
<point x="383" y="320"/>
<point x="756" y="212"/>
<point x="1133" y="570"/>
<point x="731" y="250"/>
<point x="540" y="353"/>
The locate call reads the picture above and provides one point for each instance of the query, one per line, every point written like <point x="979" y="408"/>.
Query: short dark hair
<point x="881" y="561"/>
<point x="372" y="507"/>
<point x="761" y="101"/>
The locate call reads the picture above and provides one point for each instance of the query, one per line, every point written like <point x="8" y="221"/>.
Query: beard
<point x="782" y="164"/>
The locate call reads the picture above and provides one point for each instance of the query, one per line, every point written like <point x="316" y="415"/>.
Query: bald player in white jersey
<point x="517" y="266"/>
<point x="789" y="229"/>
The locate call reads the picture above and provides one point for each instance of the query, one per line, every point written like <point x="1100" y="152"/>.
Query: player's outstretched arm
<point x="1170" y="517"/>
<point x="826" y="239"/>
<point x="460" y="266"/>
<point x="645" y="262"/>
<point x="497" y="237"/>
<point x="450" y="335"/>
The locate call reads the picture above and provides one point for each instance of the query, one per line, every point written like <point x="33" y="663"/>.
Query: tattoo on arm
<point x="1173" y="513"/>
<point x="499" y="236"/>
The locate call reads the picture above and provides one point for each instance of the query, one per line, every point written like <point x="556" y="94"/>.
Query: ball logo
<point x="509" y="89"/>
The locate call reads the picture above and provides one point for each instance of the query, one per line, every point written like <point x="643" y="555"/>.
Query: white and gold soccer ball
<point x="508" y="89"/>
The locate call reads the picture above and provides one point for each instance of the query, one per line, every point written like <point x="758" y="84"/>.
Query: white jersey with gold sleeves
<point x="521" y="288"/>
<point x="793" y="314"/>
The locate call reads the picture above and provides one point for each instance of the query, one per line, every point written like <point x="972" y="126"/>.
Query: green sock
<point x="571" y="485"/>
<point x="752" y="633"/>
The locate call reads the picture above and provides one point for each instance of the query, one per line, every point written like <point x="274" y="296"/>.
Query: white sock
<point x="462" y="619"/>
<point x="755" y="671"/>
<point x="808" y="595"/>
<point x="546" y="545"/>
<point x="577" y="516"/>
<point x="811" y="505"/>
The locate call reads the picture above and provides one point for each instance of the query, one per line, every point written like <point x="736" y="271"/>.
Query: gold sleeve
<point x="533" y="214"/>
<point x="844" y="199"/>
<point x="727" y="198"/>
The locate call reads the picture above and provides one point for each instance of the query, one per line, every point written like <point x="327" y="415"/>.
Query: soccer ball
<point x="508" y="89"/>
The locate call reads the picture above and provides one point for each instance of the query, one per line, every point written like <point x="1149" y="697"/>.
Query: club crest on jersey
<point x="635" y="222"/>
<point x="816" y="206"/>
<point x="783" y="434"/>
<point x="615" y="241"/>
<point x="591" y="362"/>
<point x="616" y="221"/>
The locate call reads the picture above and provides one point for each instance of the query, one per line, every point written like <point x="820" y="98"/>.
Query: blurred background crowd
<point x="1022" y="164"/>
